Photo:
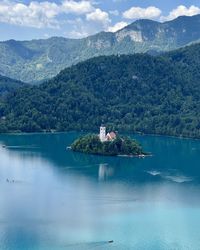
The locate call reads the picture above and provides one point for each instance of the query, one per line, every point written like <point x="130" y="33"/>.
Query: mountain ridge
<point x="36" y="60"/>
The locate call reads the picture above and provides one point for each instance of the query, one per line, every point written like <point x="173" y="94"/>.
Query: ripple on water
<point x="170" y="177"/>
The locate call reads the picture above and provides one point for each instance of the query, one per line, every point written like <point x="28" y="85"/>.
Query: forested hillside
<point x="138" y="93"/>
<point x="7" y="85"/>
<point x="36" y="60"/>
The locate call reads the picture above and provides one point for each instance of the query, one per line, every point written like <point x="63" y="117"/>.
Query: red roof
<point x="111" y="135"/>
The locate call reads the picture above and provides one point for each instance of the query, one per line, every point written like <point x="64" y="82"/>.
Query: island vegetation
<point x="124" y="146"/>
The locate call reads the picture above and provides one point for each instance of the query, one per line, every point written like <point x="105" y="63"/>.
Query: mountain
<point x="37" y="60"/>
<point x="138" y="93"/>
<point x="8" y="85"/>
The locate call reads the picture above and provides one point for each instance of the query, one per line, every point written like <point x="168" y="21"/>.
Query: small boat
<point x="110" y="241"/>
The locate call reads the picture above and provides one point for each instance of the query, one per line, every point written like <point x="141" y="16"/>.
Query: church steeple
<point x="102" y="133"/>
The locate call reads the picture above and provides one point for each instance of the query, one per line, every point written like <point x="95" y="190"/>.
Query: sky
<point x="39" y="19"/>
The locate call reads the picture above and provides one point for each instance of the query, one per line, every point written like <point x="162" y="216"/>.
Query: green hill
<point x="142" y="93"/>
<point x="7" y="85"/>
<point x="37" y="60"/>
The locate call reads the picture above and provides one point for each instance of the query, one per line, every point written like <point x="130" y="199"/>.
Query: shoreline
<point x="109" y="155"/>
<point x="117" y="155"/>
<point x="136" y="156"/>
<point x="86" y="131"/>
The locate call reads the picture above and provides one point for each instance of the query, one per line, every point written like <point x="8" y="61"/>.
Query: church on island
<point x="110" y="144"/>
<point x="106" y="137"/>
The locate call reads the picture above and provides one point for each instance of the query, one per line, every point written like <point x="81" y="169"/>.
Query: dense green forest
<point x="137" y="93"/>
<point x="7" y="85"/>
<point x="91" y="144"/>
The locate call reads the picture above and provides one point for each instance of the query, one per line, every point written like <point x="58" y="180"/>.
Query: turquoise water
<point x="52" y="199"/>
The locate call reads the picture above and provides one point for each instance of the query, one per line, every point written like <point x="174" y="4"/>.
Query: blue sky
<point x="34" y="19"/>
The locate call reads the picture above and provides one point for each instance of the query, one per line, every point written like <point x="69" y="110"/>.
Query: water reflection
<point x="105" y="172"/>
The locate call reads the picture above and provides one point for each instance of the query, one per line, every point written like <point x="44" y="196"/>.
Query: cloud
<point x="40" y="14"/>
<point x="82" y="7"/>
<point x="114" y="12"/>
<point x="181" y="11"/>
<point x="79" y="28"/>
<point x="117" y="26"/>
<point x="76" y="34"/>
<point x="138" y="13"/>
<point x="99" y="16"/>
<point x="33" y="15"/>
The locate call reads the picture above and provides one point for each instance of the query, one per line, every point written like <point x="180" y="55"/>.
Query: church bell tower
<point x="102" y="133"/>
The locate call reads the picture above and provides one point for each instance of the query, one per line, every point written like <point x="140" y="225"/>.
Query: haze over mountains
<point x="36" y="60"/>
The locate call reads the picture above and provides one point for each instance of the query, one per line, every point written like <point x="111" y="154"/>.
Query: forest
<point x="135" y="93"/>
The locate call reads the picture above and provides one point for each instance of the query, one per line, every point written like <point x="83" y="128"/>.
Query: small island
<point x="110" y="144"/>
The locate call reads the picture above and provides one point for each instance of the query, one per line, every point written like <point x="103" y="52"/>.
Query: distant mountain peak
<point x="37" y="60"/>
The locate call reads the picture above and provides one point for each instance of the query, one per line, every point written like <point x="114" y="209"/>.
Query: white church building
<point x="106" y="137"/>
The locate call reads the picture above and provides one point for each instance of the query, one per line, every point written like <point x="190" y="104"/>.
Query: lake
<point x="52" y="198"/>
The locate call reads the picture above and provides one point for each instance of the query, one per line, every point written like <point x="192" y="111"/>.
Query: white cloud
<point x="71" y="6"/>
<point x="117" y="26"/>
<point x="76" y="34"/>
<point x="99" y="16"/>
<point x="181" y="11"/>
<point x="79" y="28"/>
<point x="33" y="15"/>
<point x="114" y="12"/>
<point x="138" y="13"/>
<point x="40" y="14"/>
